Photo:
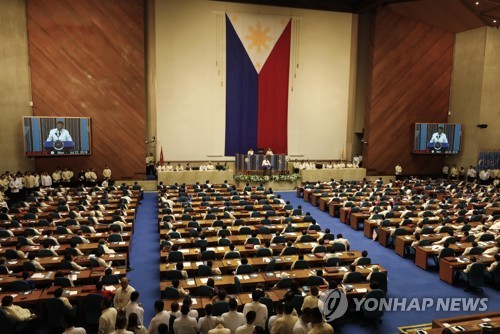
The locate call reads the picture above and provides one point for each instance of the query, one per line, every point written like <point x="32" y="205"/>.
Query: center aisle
<point x="145" y="255"/>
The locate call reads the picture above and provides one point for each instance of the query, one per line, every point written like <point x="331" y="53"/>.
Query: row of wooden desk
<point x="268" y="279"/>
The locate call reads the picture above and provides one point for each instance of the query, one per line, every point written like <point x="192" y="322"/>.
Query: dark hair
<point x="159" y="305"/>
<point x="134" y="296"/>
<point x="58" y="293"/>
<point x="251" y="315"/>
<point x="185" y="309"/>
<point x="233" y="304"/>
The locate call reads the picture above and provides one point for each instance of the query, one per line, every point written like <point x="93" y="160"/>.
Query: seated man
<point x="18" y="314"/>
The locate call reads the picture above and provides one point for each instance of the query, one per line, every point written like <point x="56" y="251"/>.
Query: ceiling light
<point x="477" y="3"/>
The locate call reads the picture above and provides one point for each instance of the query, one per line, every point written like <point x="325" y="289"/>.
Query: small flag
<point x="161" y="156"/>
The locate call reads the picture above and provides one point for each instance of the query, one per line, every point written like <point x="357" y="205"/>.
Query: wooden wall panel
<point x="87" y="59"/>
<point x="410" y="83"/>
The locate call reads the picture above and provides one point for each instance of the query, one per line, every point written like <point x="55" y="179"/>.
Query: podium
<point x="58" y="146"/>
<point x="438" y="147"/>
<point x="252" y="164"/>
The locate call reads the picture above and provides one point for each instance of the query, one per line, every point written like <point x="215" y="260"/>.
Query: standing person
<point x="59" y="133"/>
<point x="461" y="173"/>
<point x="439" y="140"/>
<point x="122" y="294"/>
<point x="108" y="317"/>
<point x="398" y="170"/>
<point x="16" y="188"/>
<point x="150" y="164"/>
<point x="445" y="171"/>
<point x="471" y="174"/>
<point x="454" y="172"/>
<point x="106" y="173"/>
<point x="266" y="165"/>
<point x="318" y="325"/>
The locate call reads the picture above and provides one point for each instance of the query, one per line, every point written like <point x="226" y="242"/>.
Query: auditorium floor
<point x="406" y="280"/>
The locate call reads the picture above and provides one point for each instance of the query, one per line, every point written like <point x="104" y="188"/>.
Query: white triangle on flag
<point x="258" y="34"/>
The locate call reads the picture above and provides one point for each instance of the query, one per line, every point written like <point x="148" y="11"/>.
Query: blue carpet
<point x="145" y="255"/>
<point x="406" y="280"/>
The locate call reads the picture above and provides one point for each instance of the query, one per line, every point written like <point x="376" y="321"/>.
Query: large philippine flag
<point x="257" y="74"/>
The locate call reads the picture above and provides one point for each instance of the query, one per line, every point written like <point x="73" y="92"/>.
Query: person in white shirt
<point x="59" y="133"/>
<point x="108" y="317"/>
<point x="208" y="322"/>
<point x="210" y="166"/>
<point x="302" y="326"/>
<point x="259" y="308"/>
<point x="161" y="317"/>
<point x="269" y="151"/>
<point x="398" y="170"/>
<point x="273" y="318"/>
<point x="179" y="168"/>
<point x="233" y="319"/>
<point x="134" y="306"/>
<point x="106" y="173"/>
<point x="266" y="165"/>
<point x="250" y="151"/>
<point x="185" y="324"/>
<point x="219" y="328"/>
<point x="318" y="325"/>
<point x="203" y="168"/>
<point x="122" y="294"/>
<point x="439" y="137"/>
<point x="249" y="327"/>
<point x="121" y="325"/>
<point x="286" y="323"/>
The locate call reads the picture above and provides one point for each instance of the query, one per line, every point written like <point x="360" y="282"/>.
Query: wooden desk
<point x="470" y="322"/>
<point x="448" y="269"/>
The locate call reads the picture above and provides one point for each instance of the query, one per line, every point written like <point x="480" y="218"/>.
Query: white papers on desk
<point x="246" y="277"/>
<point x="109" y="288"/>
<point x="408" y="238"/>
<point x="122" y="243"/>
<point x="55" y="258"/>
<point x="14" y="296"/>
<point x="190" y="281"/>
<point x="199" y="263"/>
<point x="342" y="269"/>
<point x="187" y="264"/>
<point x="211" y="248"/>
<point x="220" y="248"/>
<point x="181" y="240"/>
<point x="362" y="290"/>
<point x="73" y="277"/>
<point x="204" y="280"/>
<point x="111" y="255"/>
<point x="37" y="275"/>
<point x="184" y="250"/>
<point x="98" y="234"/>
<point x="266" y="260"/>
<point x="117" y="272"/>
<point x="72" y="293"/>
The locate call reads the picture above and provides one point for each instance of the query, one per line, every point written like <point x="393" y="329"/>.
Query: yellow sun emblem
<point x="258" y="37"/>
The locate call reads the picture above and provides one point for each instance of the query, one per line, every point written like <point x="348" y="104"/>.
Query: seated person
<point x="444" y="239"/>
<point x="231" y="251"/>
<point x="299" y="238"/>
<point x="18" y="314"/>
<point x="32" y="258"/>
<point x="221" y="296"/>
<point x="289" y="244"/>
<point x="300" y="258"/>
<point x="364" y="254"/>
<point x="3" y="263"/>
<point x="342" y="240"/>
<point x="74" y="265"/>
<point x="253" y="239"/>
<point x="244" y="264"/>
<point x="488" y="272"/>
<point x="215" y="271"/>
<point x="468" y="249"/>
<point x="180" y="267"/>
<point x="176" y="285"/>
<point x="352" y="268"/>
<point x="100" y="260"/>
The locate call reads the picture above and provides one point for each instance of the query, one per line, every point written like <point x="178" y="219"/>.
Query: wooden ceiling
<point x="450" y="15"/>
